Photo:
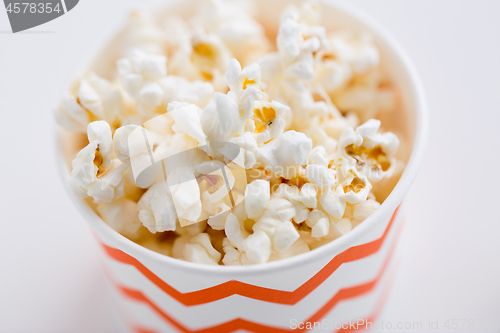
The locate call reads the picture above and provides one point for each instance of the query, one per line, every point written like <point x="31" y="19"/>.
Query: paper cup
<point x="328" y="288"/>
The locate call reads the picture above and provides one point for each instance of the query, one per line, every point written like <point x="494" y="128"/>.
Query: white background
<point x="50" y="278"/>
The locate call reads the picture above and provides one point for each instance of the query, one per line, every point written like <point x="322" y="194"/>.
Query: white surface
<point x="50" y="279"/>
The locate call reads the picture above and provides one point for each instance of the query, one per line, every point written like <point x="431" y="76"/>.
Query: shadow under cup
<point x="343" y="281"/>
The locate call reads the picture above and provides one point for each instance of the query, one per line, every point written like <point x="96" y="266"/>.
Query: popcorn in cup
<point x="195" y="143"/>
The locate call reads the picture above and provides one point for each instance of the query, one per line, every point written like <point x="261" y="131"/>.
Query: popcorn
<point x="221" y="119"/>
<point x="71" y="116"/>
<point x="90" y="98"/>
<point x="258" y="247"/>
<point x="122" y="216"/>
<point x="231" y="165"/>
<point x="249" y="150"/>
<point x="187" y="120"/>
<point x="121" y="143"/>
<point x="294" y="66"/>
<point x="276" y="157"/>
<point x="200" y="250"/>
<point x="369" y="149"/>
<point x="185" y="194"/>
<point x="363" y="210"/>
<point x="156" y="209"/>
<point x="275" y="223"/>
<point x="319" y="223"/>
<point x="178" y="88"/>
<point x="284" y="236"/>
<point x="95" y="173"/>
<point x="139" y="75"/>
<point x="257" y="196"/>
<point x="242" y="35"/>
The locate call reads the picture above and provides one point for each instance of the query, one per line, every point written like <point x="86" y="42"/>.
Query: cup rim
<point x="388" y="206"/>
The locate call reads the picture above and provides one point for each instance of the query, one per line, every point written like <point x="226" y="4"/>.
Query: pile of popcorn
<point x="300" y="113"/>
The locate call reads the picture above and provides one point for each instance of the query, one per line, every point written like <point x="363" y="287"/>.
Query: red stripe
<point x="234" y="287"/>
<point x="239" y="323"/>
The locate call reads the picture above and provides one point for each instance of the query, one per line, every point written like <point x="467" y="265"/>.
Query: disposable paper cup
<point x="340" y="282"/>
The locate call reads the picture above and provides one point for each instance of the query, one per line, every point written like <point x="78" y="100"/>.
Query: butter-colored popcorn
<point x="95" y="173"/>
<point x="371" y="150"/>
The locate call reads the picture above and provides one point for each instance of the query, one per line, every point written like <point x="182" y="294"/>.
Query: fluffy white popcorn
<point x="187" y="120"/>
<point x="90" y="98"/>
<point x="332" y="204"/>
<point x="300" y="246"/>
<point x="234" y="256"/>
<point x="200" y="250"/>
<point x="302" y="200"/>
<point x="284" y="236"/>
<point x="258" y="247"/>
<point x="321" y="176"/>
<point x="156" y="209"/>
<point x="122" y="216"/>
<point x="221" y="119"/>
<point x="71" y="116"/>
<point x="178" y="88"/>
<point x="249" y="150"/>
<point x="95" y="173"/>
<point x="275" y="223"/>
<point x="257" y="196"/>
<point x="185" y="194"/>
<point x="140" y="74"/>
<point x="319" y="223"/>
<point x="318" y="156"/>
<point x="283" y="154"/>
<point x="121" y="141"/>
<point x="235" y="233"/>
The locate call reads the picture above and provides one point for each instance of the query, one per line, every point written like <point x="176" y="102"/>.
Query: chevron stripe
<point x="238" y="324"/>
<point x="234" y="287"/>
